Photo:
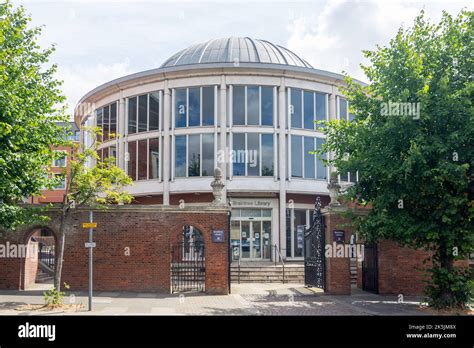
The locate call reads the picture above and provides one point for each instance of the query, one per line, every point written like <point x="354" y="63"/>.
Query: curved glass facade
<point x="250" y="152"/>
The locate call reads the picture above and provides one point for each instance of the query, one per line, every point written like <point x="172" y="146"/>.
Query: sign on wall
<point x="218" y="236"/>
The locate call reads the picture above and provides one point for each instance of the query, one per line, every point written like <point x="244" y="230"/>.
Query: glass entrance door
<point x="251" y="239"/>
<point x="250" y="234"/>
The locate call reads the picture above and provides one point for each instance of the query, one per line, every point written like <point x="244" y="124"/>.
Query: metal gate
<point x="370" y="268"/>
<point x="314" y="274"/>
<point x="188" y="264"/>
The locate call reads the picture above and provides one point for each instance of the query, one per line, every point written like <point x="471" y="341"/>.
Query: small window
<point x="60" y="162"/>
<point x="62" y="184"/>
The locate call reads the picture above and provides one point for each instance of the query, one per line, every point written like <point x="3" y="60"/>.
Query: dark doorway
<point x="370" y="268"/>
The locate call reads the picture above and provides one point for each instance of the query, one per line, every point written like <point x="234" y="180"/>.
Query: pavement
<point x="245" y="299"/>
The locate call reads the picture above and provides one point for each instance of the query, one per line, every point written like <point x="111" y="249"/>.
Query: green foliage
<point x="54" y="297"/>
<point x="29" y="95"/>
<point x="416" y="172"/>
<point x="96" y="185"/>
<point x="449" y="288"/>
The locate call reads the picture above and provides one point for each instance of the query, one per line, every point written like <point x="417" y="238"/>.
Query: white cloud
<point x="80" y="79"/>
<point x="334" y="39"/>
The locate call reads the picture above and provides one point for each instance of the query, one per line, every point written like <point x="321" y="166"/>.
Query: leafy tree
<point x="416" y="168"/>
<point x="29" y="99"/>
<point x="90" y="182"/>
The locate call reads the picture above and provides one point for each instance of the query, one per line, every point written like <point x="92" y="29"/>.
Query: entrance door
<point x="251" y="239"/>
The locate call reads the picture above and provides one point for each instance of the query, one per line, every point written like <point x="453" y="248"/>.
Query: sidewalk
<point x="245" y="299"/>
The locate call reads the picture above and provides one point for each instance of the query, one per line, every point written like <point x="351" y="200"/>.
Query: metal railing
<point x="46" y="255"/>
<point x="277" y="252"/>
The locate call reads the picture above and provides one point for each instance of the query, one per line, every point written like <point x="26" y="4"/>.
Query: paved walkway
<point x="246" y="299"/>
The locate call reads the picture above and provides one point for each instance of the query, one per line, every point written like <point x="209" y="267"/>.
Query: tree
<point x="29" y="99"/>
<point x="412" y="141"/>
<point x="89" y="185"/>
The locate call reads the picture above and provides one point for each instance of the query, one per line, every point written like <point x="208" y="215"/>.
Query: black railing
<point x="46" y="255"/>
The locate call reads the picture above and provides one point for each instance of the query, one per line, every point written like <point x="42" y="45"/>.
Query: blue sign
<point x="218" y="236"/>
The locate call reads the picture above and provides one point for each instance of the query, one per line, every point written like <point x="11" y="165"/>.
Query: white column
<point x="223" y="129"/>
<point x="121" y="129"/>
<point x="166" y="144"/>
<point x="282" y="110"/>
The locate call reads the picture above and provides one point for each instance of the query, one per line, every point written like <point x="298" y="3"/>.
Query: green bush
<point x="54" y="297"/>
<point x="449" y="288"/>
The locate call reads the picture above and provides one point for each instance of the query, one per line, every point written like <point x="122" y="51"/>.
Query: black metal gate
<point x="188" y="264"/>
<point x="314" y="274"/>
<point x="370" y="268"/>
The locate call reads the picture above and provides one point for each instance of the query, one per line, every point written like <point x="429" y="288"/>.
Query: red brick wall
<point x="31" y="265"/>
<point x="338" y="279"/>
<point x="146" y="232"/>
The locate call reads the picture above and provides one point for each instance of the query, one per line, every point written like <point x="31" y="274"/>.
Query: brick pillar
<point x="338" y="276"/>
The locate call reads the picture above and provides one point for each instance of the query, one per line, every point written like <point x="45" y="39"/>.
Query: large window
<point x="252" y="154"/>
<point x="252" y="105"/>
<point x="107" y="121"/>
<point x="306" y="109"/>
<point x="143" y="113"/>
<point x="194" y="106"/>
<point x="194" y="155"/>
<point x="143" y="159"/>
<point x="304" y="163"/>
<point x="343" y="110"/>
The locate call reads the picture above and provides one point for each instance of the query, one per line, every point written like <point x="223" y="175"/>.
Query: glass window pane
<point x="208" y="106"/>
<point x="252" y="106"/>
<point x="296" y="161"/>
<point x="105" y="123"/>
<point x="308" y="110"/>
<point x="113" y="121"/>
<point x="142" y="113"/>
<point x="296" y="108"/>
<point x="132" y="161"/>
<point x="154" y="113"/>
<point x="353" y="176"/>
<point x="308" y="158"/>
<point x="154" y="158"/>
<point x="142" y="159"/>
<point x="180" y="107"/>
<point x="194" y="156"/>
<point x="194" y="107"/>
<point x="132" y="115"/>
<point x="299" y="225"/>
<point x="342" y="108"/>
<point x="99" y="115"/>
<point x="320" y="167"/>
<point x="180" y="156"/>
<point x="267" y="154"/>
<point x="207" y="154"/>
<point x="320" y="108"/>
<point x="238" y="105"/>
<point x="267" y="106"/>
<point x="113" y="152"/>
<point x="344" y="176"/>
<point x="239" y="159"/>
<point x="253" y="165"/>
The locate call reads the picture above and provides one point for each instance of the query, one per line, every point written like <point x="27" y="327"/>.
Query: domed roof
<point x="235" y="49"/>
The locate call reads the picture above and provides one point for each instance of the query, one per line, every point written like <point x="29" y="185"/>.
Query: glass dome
<point x="232" y="49"/>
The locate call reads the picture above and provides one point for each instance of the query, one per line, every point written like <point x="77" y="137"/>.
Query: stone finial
<point x="217" y="188"/>
<point x="334" y="188"/>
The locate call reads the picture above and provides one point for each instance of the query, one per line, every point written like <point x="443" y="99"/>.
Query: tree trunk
<point x="60" y="256"/>
<point x="446" y="261"/>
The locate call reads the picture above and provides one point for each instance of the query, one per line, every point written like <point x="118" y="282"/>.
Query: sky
<point x="98" y="41"/>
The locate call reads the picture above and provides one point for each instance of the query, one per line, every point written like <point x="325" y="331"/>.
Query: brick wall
<point x="133" y="249"/>
<point x="338" y="279"/>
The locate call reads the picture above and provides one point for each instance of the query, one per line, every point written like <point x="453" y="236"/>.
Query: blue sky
<point x="98" y="41"/>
